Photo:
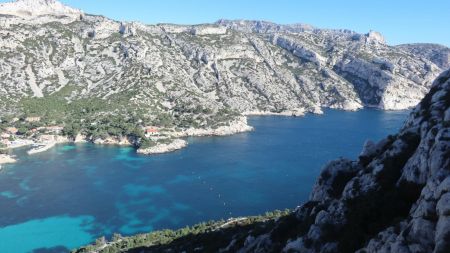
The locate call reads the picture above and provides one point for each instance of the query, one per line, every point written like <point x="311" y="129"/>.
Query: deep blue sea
<point x="72" y="194"/>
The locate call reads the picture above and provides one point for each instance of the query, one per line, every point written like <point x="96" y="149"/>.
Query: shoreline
<point x="239" y="125"/>
<point x="298" y="113"/>
<point x="6" y="159"/>
<point x="162" y="148"/>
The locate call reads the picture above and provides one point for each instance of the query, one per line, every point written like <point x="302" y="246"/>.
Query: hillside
<point x="394" y="198"/>
<point x="80" y="71"/>
<point x="438" y="54"/>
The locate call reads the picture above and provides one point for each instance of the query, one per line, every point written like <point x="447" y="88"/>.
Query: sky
<point x="400" y="21"/>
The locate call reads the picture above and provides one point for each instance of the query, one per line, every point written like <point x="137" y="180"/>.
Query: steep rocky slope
<point x="201" y="75"/>
<point x="33" y="8"/>
<point x="438" y="54"/>
<point x="394" y="198"/>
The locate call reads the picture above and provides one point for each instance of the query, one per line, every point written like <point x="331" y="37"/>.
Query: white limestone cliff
<point x="34" y="8"/>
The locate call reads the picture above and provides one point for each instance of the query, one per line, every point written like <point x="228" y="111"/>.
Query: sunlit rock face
<point x="248" y="67"/>
<point x="438" y="54"/>
<point x="34" y="8"/>
<point x="394" y="198"/>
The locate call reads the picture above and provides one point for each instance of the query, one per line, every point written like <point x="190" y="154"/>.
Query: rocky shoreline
<point x="297" y="113"/>
<point x="5" y="159"/>
<point x="162" y="148"/>
<point x="237" y="126"/>
<point x="109" y="141"/>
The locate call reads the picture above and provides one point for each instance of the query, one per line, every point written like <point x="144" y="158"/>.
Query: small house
<point x="33" y="119"/>
<point x="151" y="131"/>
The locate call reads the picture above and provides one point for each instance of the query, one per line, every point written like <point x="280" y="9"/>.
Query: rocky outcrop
<point x="34" y="8"/>
<point x="438" y="54"/>
<point x="5" y="159"/>
<point x="394" y="198"/>
<point x="123" y="141"/>
<point x="380" y="77"/>
<point x="208" y="30"/>
<point x="237" y="126"/>
<point x="374" y="36"/>
<point x="160" y="148"/>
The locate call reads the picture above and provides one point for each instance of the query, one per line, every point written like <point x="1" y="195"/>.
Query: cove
<point x="72" y="194"/>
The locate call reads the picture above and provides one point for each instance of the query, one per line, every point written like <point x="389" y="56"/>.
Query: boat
<point x="41" y="148"/>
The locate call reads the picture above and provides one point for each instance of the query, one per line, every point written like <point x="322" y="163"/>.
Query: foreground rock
<point x="394" y="198"/>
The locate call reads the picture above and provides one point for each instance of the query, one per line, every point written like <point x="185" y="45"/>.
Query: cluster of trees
<point x="222" y="117"/>
<point x="104" y="126"/>
<point x="147" y="143"/>
<point x="92" y="117"/>
<point x="99" y="118"/>
<point x="163" y="237"/>
<point x="23" y="126"/>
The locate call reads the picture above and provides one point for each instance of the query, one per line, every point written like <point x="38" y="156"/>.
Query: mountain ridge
<point x="78" y="71"/>
<point x="439" y="54"/>
<point x="30" y="8"/>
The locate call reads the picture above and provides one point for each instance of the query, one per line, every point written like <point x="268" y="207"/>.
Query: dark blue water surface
<point x="72" y="194"/>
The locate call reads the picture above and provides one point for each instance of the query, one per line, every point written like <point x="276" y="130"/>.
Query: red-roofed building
<point x="151" y="131"/>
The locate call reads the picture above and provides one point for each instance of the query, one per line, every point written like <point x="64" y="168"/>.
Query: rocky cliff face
<point x="32" y="8"/>
<point x="394" y="198"/>
<point x="438" y="54"/>
<point x="49" y="50"/>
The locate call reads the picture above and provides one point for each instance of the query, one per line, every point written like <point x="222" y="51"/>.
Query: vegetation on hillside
<point x="167" y="237"/>
<point x="116" y="117"/>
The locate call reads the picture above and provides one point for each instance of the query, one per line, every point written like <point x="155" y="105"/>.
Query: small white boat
<point x="41" y="148"/>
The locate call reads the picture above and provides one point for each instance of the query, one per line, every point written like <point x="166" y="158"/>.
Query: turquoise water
<point x="72" y="194"/>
